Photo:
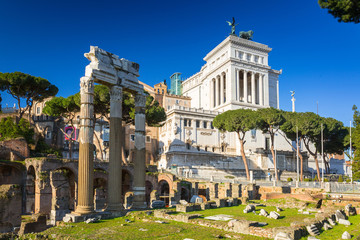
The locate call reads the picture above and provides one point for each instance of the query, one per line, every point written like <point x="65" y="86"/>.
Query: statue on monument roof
<point x="233" y="25"/>
<point x="246" y="35"/>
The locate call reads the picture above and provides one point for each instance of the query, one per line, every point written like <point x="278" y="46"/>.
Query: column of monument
<point x="261" y="89"/>
<point x="253" y="88"/>
<point x="140" y="151"/>
<point x="115" y="170"/>
<point x="221" y="78"/>
<point x="216" y="91"/>
<point x="85" y="202"/>
<point x="245" y="87"/>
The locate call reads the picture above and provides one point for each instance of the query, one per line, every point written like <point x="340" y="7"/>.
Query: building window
<point x="188" y="146"/>
<point x="177" y="101"/>
<point x="185" y="122"/>
<point x="248" y="57"/>
<point x="38" y="110"/>
<point x="253" y="133"/>
<point x="204" y="124"/>
<point x="213" y="149"/>
<point x="211" y="125"/>
<point x="241" y="55"/>
<point x="267" y="143"/>
<point x="162" y="91"/>
<point x="148" y="139"/>
<point x="189" y="122"/>
<point x="256" y="59"/>
<point x="197" y="123"/>
<point x="222" y="148"/>
<point x="132" y="138"/>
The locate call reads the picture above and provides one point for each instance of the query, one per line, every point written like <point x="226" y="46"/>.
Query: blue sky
<point x="318" y="55"/>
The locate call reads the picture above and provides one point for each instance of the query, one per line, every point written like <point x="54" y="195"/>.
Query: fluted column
<point x="212" y="97"/>
<point x="216" y="92"/>
<point x="238" y="90"/>
<point x="115" y="169"/>
<point x="140" y="151"/>
<point x="85" y="203"/>
<point x="221" y="89"/>
<point x="245" y="87"/>
<point x="261" y="94"/>
<point x="253" y="90"/>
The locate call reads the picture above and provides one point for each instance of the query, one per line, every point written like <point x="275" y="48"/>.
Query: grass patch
<point x="288" y="216"/>
<point x="118" y="229"/>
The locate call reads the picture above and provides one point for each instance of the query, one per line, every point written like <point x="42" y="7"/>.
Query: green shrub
<point x="44" y="149"/>
<point x="307" y="180"/>
<point x="10" y="130"/>
<point x="326" y="180"/>
<point x="289" y="179"/>
<point x="341" y="179"/>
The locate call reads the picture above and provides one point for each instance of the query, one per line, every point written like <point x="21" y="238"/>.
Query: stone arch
<point x="164" y="191"/>
<point x="185" y="194"/>
<point x="30" y="189"/>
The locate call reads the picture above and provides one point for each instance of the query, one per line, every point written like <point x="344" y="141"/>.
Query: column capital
<point x="140" y="100"/>
<point x="86" y="85"/>
<point x="116" y="93"/>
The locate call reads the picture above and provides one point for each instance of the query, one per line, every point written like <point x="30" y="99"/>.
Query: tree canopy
<point x="22" y="86"/>
<point x="356" y="143"/>
<point x="239" y="121"/>
<point x="10" y="130"/>
<point x="344" y="10"/>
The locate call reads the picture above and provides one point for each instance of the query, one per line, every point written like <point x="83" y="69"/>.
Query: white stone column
<point x="245" y="87"/>
<point x="221" y="89"/>
<point x="261" y="93"/>
<point x="239" y="84"/>
<point x="216" y="91"/>
<point x="211" y="94"/>
<point x="253" y="90"/>
<point x="115" y="169"/>
<point x="140" y="153"/>
<point x="266" y="90"/>
<point x="85" y="203"/>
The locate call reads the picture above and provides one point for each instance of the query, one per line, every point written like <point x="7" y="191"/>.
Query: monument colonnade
<point x="250" y="86"/>
<point x="124" y="75"/>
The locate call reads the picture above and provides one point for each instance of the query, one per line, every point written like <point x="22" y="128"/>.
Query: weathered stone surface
<point x="344" y="222"/>
<point x="249" y="208"/>
<point x="183" y="202"/>
<point x="279" y="209"/>
<point x="184" y="208"/>
<point x="10" y="207"/>
<point x="346" y="235"/>
<point x="332" y="222"/>
<point x="263" y="212"/>
<point x="350" y="210"/>
<point x="339" y="215"/>
<point x="91" y="220"/>
<point x="327" y="226"/>
<point x="274" y="215"/>
<point x="220" y="202"/>
<point x="157" y="204"/>
<point x="312" y="230"/>
<point x="282" y="236"/>
<point x="242" y="226"/>
<point x="37" y="225"/>
<point x="204" y="206"/>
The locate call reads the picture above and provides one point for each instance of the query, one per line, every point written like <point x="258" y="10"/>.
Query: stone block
<point x="312" y="230"/>
<point x="346" y="235"/>
<point x="204" y="206"/>
<point x="274" y="215"/>
<point x="344" y="222"/>
<point x="242" y="226"/>
<point x="249" y="208"/>
<point x="282" y="236"/>
<point x="157" y="204"/>
<point x="339" y="215"/>
<point x="220" y="202"/>
<point x="263" y="212"/>
<point x="350" y="210"/>
<point x="184" y="208"/>
<point x="197" y="207"/>
<point x="327" y="226"/>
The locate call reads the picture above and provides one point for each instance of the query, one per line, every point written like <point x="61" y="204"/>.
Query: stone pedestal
<point x="86" y="155"/>
<point x="115" y="169"/>
<point x="140" y="151"/>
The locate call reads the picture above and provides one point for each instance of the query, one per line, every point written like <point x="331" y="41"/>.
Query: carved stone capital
<point x="86" y="85"/>
<point x="140" y="100"/>
<point x="116" y="93"/>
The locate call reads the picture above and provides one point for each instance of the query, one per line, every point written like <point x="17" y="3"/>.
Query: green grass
<point x="118" y="229"/>
<point x="337" y="231"/>
<point x="287" y="216"/>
